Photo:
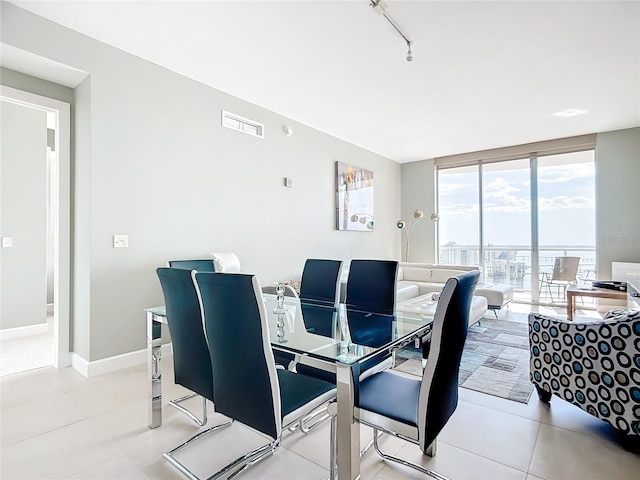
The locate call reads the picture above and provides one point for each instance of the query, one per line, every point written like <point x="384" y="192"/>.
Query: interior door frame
<point x="61" y="216"/>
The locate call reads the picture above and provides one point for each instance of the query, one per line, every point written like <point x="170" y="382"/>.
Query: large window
<point x="515" y="217"/>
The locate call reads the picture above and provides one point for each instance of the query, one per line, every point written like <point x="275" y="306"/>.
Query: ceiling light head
<point x="378" y="6"/>
<point x="418" y="214"/>
<point x="288" y="130"/>
<point x="569" y="112"/>
<point x="409" y="55"/>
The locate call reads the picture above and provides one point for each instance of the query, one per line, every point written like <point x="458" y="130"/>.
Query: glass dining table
<point x="334" y="338"/>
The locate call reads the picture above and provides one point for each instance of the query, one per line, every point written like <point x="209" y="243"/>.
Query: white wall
<point x="153" y="162"/>
<point x="23" y="205"/>
<point x="618" y="198"/>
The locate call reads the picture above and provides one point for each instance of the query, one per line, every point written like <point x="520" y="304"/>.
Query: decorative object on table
<point x="354" y="198"/>
<point x="435" y="296"/>
<point x="408" y="227"/>
<point x="280" y="308"/>
<point x="495" y="360"/>
<point x="610" y="285"/>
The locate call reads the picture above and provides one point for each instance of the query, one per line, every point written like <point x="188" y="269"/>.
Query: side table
<point x="574" y="291"/>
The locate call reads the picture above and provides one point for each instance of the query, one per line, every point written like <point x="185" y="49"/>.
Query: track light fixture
<point x="380" y="7"/>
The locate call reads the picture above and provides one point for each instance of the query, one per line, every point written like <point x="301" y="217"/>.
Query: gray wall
<point x="23" y="169"/>
<point x="418" y="193"/>
<point x="31" y="84"/>
<point x="153" y="162"/>
<point x="618" y="198"/>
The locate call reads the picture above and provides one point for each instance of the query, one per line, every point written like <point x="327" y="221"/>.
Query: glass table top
<point x="335" y="334"/>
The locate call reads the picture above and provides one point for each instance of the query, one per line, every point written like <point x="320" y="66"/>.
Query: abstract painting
<point x="354" y="198"/>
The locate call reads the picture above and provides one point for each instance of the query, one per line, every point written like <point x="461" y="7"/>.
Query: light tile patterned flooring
<point x="56" y="424"/>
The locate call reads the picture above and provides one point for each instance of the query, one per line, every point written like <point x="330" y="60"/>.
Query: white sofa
<point x="417" y="282"/>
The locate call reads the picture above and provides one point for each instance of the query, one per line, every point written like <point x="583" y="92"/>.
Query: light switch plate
<point x="7" y="242"/>
<point x="120" y="241"/>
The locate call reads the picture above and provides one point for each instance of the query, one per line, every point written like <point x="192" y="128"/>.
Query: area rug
<point x="495" y="360"/>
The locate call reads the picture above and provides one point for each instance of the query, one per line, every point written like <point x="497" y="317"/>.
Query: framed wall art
<point x="354" y="198"/>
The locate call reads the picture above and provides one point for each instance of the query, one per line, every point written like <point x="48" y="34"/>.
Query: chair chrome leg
<point x="333" y="448"/>
<point x="261" y="456"/>
<point x="247" y="459"/>
<point x="420" y="468"/>
<point x="320" y="412"/>
<point x="176" y="404"/>
<point x="370" y="444"/>
<point x="431" y="449"/>
<point x="169" y="455"/>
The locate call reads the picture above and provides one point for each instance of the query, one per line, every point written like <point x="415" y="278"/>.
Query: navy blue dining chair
<point x="320" y="281"/>
<point x="371" y="285"/>
<point x="191" y="364"/>
<point x="200" y="264"/>
<point x="371" y="288"/>
<point x="416" y="410"/>
<point x="247" y="385"/>
<point x="191" y="361"/>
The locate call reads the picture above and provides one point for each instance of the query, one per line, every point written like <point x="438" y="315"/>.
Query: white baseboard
<point x="117" y="362"/>
<point x="27" y="331"/>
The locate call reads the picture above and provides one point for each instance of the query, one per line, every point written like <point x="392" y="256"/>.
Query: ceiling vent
<point x="241" y="124"/>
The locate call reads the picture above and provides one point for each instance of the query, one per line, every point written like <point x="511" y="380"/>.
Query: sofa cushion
<point x="406" y="290"/>
<point x="441" y="275"/>
<point x="426" y="305"/>
<point x="418" y="274"/>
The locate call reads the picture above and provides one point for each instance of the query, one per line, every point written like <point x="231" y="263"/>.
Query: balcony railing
<point x="512" y="265"/>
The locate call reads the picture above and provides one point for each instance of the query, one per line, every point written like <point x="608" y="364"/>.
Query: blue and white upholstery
<point x="417" y="410"/>
<point x="200" y="264"/>
<point x="191" y="365"/>
<point x="247" y="385"/>
<point x="595" y="365"/>
<point x="371" y="285"/>
<point x="320" y="281"/>
<point x="191" y="361"/>
<point x="371" y="288"/>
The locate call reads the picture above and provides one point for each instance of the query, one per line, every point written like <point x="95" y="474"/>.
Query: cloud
<point x="565" y="173"/>
<point x="563" y="202"/>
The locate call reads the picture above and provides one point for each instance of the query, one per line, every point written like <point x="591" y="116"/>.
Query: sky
<point x="566" y="200"/>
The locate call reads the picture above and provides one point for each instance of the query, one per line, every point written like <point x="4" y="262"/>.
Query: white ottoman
<point x="497" y="294"/>
<point x="425" y="305"/>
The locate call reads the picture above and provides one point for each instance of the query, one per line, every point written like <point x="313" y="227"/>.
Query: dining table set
<point x="339" y="338"/>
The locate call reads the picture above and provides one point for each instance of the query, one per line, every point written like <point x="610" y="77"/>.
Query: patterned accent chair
<point x="594" y="365"/>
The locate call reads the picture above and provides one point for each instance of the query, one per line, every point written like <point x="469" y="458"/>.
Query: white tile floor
<point x="56" y="424"/>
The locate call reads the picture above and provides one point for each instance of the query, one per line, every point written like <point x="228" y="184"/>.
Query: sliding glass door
<point x="566" y="222"/>
<point x="506" y="215"/>
<point x="459" y="223"/>
<point x="514" y="218"/>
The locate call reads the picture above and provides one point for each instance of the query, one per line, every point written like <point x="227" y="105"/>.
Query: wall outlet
<point x="7" y="242"/>
<point x="120" y="241"/>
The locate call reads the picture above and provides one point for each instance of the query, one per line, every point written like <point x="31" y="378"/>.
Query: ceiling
<point x="484" y="74"/>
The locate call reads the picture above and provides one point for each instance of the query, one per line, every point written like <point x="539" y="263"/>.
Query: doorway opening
<point x="57" y="228"/>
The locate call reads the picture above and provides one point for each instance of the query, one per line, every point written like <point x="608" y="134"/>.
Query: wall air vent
<point x="241" y="124"/>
